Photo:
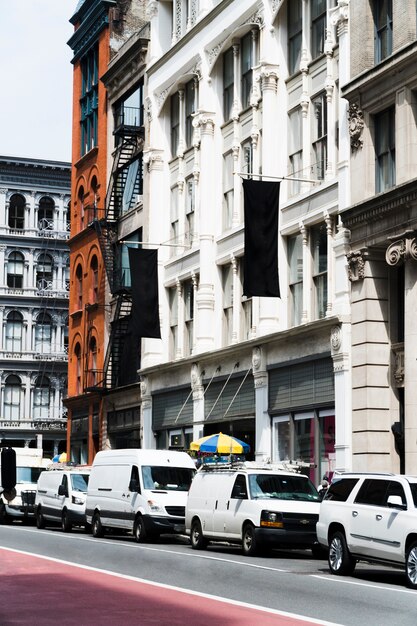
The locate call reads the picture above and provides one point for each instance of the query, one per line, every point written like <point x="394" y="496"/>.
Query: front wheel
<point x="197" y="539"/>
<point x="96" y="526"/>
<point x="341" y="562"/>
<point x="139" y="530"/>
<point x="411" y="566"/>
<point x="249" y="542"/>
<point x="65" y="522"/>
<point x="40" y="521"/>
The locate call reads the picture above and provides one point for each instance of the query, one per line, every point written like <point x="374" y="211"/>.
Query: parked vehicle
<point x="370" y="517"/>
<point x="252" y="504"/>
<point x="19" y="503"/>
<point x="60" y="496"/>
<point x="144" y="491"/>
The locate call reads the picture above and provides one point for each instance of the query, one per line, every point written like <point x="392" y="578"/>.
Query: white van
<point x="255" y="505"/>
<point x="144" y="491"/>
<point x="60" y="496"/>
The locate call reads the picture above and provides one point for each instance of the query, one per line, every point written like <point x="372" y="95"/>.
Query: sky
<point x="36" y="78"/>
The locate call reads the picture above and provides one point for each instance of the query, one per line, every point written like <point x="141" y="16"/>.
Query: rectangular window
<point x="295" y="260"/>
<point x="385" y="150"/>
<point x="227" y="190"/>
<point x="247" y="156"/>
<point x="175" y="124"/>
<point x="295" y="148"/>
<point x="318" y="27"/>
<point x="246" y="319"/>
<point x="89" y="100"/>
<point x="189" y="210"/>
<point x="246" y="68"/>
<point x="383" y="29"/>
<point x="174" y="219"/>
<point x="189" y="111"/>
<point x="173" y="322"/>
<point x="130" y="241"/>
<point x="282" y="438"/>
<point x="228" y="84"/>
<point x="319" y="135"/>
<point x="319" y="254"/>
<point x="188" y="291"/>
<point x="295" y="25"/>
<point x="227" y="282"/>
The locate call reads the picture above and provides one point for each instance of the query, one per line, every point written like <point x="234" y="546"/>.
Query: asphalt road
<point x="291" y="582"/>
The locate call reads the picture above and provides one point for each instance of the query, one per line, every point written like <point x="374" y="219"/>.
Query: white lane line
<point x="264" y="609"/>
<point x="334" y="579"/>
<point x="132" y="545"/>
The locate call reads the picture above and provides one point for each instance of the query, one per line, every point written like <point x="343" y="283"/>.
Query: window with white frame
<point x="189" y="210"/>
<point x="295" y="27"/>
<point x="247" y="62"/>
<point x="14" y="332"/>
<point x="188" y="294"/>
<point x="247" y="156"/>
<point x="15" y="269"/>
<point x="228" y="194"/>
<point x="385" y="150"/>
<point x="46" y="213"/>
<point x="41" y="397"/>
<point x="282" y="438"/>
<point x="228" y="84"/>
<point x="173" y="322"/>
<point x="319" y="254"/>
<point x="319" y="135"/>
<point x="17" y="205"/>
<point x="318" y="27"/>
<point x="189" y="94"/>
<point x="383" y="29"/>
<point x="174" y="219"/>
<point x="175" y="124"/>
<point x="227" y="283"/>
<point x="43" y="333"/>
<point x="12" y="397"/>
<point x="295" y="260"/>
<point x="295" y="148"/>
<point x="44" y="270"/>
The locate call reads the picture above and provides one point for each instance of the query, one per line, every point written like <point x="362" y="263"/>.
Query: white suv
<point x="370" y="517"/>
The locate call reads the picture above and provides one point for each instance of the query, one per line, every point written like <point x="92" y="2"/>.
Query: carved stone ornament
<point x="356" y="265"/>
<point x="213" y="53"/>
<point x="356" y="124"/>
<point x="196" y="382"/>
<point x="401" y="250"/>
<point x="144" y="386"/>
<point x="336" y="338"/>
<point x="256" y="359"/>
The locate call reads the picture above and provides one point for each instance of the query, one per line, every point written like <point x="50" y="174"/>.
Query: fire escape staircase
<point x="117" y="340"/>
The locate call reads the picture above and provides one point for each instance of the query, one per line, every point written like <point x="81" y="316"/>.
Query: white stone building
<point x="34" y="289"/>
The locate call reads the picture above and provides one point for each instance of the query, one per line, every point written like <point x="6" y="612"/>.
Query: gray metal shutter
<point x="301" y="385"/>
<point x="166" y="407"/>
<point x="243" y="404"/>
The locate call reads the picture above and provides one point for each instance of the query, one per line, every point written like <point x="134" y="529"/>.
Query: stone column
<point x="3" y="271"/>
<point x="236" y="301"/>
<point x="263" y="450"/>
<point x="27" y="398"/>
<point x="330" y="265"/>
<point x="148" y="439"/>
<point x="3" y="193"/>
<point x="306" y="314"/>
<point x="180" y="321"/>
<point x="198" y="401"/>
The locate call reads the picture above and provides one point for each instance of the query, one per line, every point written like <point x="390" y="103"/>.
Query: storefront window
<point x="326" y="443"/>
<point x="282" y="438"/>
<point x="304" y="439"/>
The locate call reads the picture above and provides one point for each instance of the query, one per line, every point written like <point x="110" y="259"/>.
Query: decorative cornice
<point x="87" y="34"/>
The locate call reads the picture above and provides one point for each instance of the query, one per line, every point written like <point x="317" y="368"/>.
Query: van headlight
<point x="77" y="500"/>
<point x="271" y="519"/>
<point x="155" y="507"/>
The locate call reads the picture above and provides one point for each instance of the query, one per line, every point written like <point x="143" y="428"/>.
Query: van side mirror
<point x="62" y="491"/>
<point x="395" y="502"/>
<point x="134" y="486"/>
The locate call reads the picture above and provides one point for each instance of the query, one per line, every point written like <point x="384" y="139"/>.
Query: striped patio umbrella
<point x="220" y="443"/>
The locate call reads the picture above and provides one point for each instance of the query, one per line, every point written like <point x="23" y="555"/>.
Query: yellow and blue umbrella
<point x="220" y="443"/>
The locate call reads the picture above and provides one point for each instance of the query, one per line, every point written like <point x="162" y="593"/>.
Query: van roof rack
<point x="66" y="465"/>
<point x="234" y="465"/>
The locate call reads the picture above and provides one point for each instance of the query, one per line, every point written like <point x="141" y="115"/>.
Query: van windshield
<point x="79" y="482"/>
<point x="28" y="475"/>
<point x="167" y="478"/>
<point x="282" y="487"/>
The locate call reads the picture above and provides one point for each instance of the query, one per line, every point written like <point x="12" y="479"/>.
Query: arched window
<point x="43" y="333"/>
<point x="94" y="279"/>
<point x="17" y="212"/>
<point x="44" y="271"/>
<point x="79" y="287"/>
<point x="14" y="331"/>
<point x="92" y="362"/>
<point x="15" y="267"/>
<point x="41" y="397"/>
<point x="81" y="203"/>
<point x="12" y="393"/>
<point x="46" y="213"/>
<point x="77" y="353"/>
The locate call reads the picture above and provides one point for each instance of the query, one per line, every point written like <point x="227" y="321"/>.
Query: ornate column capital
<point x="204" y="121"/>
<point x="356" y="265"/>
<point x="356" y="124"/>
<point x="402" y="249"/>
<point x="267" y="77"/>
<point x="153" y="159"/>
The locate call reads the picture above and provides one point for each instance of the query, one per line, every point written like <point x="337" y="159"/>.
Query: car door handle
<point x="355" y="513"/>
<point x="378" y="517"/>
<point x="228" y="502"/>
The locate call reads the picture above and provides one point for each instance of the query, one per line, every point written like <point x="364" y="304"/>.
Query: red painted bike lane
<point x="38" y="591"/>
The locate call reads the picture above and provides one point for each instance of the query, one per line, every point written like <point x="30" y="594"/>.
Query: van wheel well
<point x="410" y="539"/>
<point x="333" y="528"/>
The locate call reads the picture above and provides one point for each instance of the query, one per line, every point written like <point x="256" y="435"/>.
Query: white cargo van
<point x="60" y="496"/>
<point x="255" y="505"/>
<point x="144" y="491"/>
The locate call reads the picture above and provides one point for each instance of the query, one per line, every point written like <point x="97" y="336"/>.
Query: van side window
<point x="134" y="479"/>
<point x="239" y="488"/>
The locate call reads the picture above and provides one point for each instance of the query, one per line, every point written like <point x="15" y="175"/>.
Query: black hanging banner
<point x="260" y="265"/>
<point x="145" y="303"/>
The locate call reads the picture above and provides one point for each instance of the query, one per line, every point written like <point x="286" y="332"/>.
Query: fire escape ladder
<point x="117" y="340"/>
<point x="106" y="235"/>
<point x="125" y="154"/>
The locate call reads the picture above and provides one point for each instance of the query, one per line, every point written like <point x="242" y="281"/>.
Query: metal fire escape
<point x="126" y="176"/>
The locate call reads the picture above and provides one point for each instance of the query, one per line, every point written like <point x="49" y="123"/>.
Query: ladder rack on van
<point x="280" y="466"/>
<point x="68" y="465"/>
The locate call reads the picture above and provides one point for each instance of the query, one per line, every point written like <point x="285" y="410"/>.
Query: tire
<point x="197" y="539"/>
<point x="66" y="525"/>
<point x="249" y="543"/>
<point x="139" y="530"/>
<point x="40" y="520"/>
<point x="341" y="562"/>
<point x="411" y="566"/>
<point x="96" y="526"/>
